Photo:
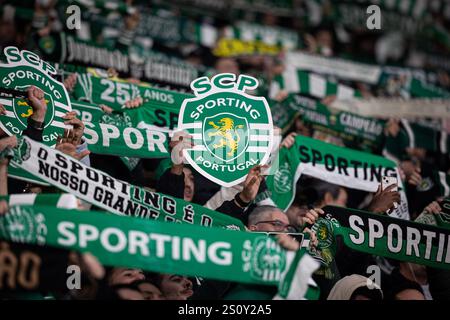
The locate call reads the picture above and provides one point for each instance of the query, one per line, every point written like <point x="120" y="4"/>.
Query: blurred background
<point x="200" y="33"/>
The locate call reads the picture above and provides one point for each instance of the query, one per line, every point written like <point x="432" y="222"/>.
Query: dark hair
<point x="139" y="282"/>
<point x="372" y="294"/>
<point x="399" y="283"/>
<point x="312" y="191"/>
<point x="154" y="278"/>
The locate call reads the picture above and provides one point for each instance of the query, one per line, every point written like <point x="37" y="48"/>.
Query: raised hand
<point x="288" y="242"/>
<point x="392" y="127"/>
<point x="433" y="208"/>
<point x="105" y="108"/>
<point x="8" y="142"/>
<point x="252" y="183"/>
<point x="384" y="200"/>
<point x="3" y="207"/>
<point x="180" y="141"/>
<point x="310" y="217"/>
<point x="78" y="126"/>
<point x="133" y="103"/>
<point x="37" y="101"/>
<point x="2" y="110"/>
<point x="66" y="144"/>
<point x="70" y="82"/>
<point x="289" y="140"/>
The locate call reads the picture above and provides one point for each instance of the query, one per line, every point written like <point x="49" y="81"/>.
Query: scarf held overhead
<point x="113" y="195"/>
<point x="337" y="165"/>
<point x="150" y="245"/>
<point x="392" y="238"/>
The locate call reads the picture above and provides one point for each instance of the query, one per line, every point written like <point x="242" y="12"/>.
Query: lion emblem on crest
<point x="227" y="130"/>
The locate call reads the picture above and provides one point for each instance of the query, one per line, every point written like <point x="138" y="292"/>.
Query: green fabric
<point x="355" y="130"/>
<point x="113" y="195"/>
<point x="126" y="141"/>
<point x="298" y="81"/>
<point x="115" y="93"/>
<point x="338" y="165"/>
<point x="150" y="245"/>
<point x="62" y="200"/>
<point x="392" y="238"/>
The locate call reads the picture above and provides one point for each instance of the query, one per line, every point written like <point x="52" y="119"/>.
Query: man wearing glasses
<point x="271" y="220"/>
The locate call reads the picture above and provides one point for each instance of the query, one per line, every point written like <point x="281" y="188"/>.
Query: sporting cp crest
<point x="24" y="69"/>
<point x="232" y="131"/>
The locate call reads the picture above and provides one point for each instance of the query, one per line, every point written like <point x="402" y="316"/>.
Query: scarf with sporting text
<point x="334" y="164"/>
<point x="389" y="237"/>
<point x="159" y="246"/>
<point x="295" y="80"/>
<point x="108" y="193"/>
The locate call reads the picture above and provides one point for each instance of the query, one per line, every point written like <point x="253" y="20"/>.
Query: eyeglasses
<point x="280" y="226"/>
<point x="299" y="237"/>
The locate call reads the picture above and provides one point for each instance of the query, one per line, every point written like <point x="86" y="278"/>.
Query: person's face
<point x="227" y="65"/>
<point x="176" y="287"/>
<point x="150" y="291"/>
<point x="276" y="221"/>
<point x="125" y="276"/>
<point x="188" y="184"/>
<point x="409" y="294"/>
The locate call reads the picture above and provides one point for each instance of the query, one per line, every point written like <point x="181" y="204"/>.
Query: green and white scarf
<point x="422" y="89"/>
<point x="337" y="165"/>
<point x="392" y="238"/>
<point x="395" y="107"/>
<point x="415" y="8"/>
<point x="17" y="173"/>
<point x="340" y="68"/>
<point x="354" y="130"/>
<point x="297" y="283"/>
<point x="441" y="220"/>
<point x="443" y="181"/>
<point x="114" y="93"/>
<point x="113" y="195"/>
<point x="64" y="200"/>
<point x="416" y="84"/>
<point x="153" y="24"/>
<point x="353" y="15"/>
<point x="87" y="112"/>
<point x="151" y="245"/>
<point x="416" y="135"/>
<point x="297" y="81"/>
